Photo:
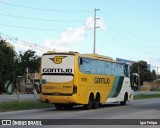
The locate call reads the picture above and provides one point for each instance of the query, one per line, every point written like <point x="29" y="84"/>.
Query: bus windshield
<point x="57" y="68"/>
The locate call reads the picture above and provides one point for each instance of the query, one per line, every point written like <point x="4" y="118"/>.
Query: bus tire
<point x="58" y="106"/>
<point x="90" y="103"/>
<point x="125" y="99"/>
<point x="68" y="106"/>
<point x="96" y="102"/>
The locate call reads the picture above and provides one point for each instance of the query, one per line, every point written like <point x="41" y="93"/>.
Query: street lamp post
<point x="94" y="45"/>
<point x="139" y="77"/>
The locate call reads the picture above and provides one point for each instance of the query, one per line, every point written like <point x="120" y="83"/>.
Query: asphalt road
<point x="143" y="109"/>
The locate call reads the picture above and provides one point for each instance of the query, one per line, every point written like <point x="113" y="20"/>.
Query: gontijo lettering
<point x="99" y="80"/>
<point x="57" y="70"/>
<point x="57" y="59"/>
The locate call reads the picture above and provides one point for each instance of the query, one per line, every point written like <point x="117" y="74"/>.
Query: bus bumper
<point x="58" y="99"/>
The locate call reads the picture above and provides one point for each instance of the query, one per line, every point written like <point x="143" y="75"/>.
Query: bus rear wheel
<point x="68" y="106"/>
<point x="58" y="106"/>
<point x="96" y="102"/>
<point x="90" y="103"/>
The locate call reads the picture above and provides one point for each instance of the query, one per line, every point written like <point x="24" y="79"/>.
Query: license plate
<point x="56" y="93"/>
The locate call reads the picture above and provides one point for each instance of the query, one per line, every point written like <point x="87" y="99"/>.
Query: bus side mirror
<point x="81" y="61"/>
<point x="135" y="81"/>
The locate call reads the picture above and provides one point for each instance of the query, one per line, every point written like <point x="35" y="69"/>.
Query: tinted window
<point x="92" y="66"/>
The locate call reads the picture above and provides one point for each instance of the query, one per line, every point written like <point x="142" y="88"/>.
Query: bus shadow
<point x="110" y="105"/>
<point x="81" y="107"/>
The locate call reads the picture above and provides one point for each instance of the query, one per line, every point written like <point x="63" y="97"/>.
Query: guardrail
<point x="146" y="92"/>
<point x="19" y="97"/>
<point x="35" y="97"/>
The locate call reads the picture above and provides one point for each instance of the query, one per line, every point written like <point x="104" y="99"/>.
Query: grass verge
<point x="148" y="96"/>
<point x="23" y="105"/>
<point x="29" y="105"/>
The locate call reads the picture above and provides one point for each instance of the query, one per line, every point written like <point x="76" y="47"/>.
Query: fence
<point x="19" y="97"/>
<point x="146" y="92"/>
<point x="35" y="97"/>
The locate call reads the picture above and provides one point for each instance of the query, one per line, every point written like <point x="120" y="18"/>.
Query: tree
<point x="153" y="75"/>
<point x="7" y="65"/>
<point x="29" y="62"/>
<point x="13" y="65"/>
<point x="142" y="69"/>
<point x="26" y="61"/>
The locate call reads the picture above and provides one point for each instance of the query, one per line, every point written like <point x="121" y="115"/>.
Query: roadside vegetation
<point x="23" y="105"/>
<point x="148" y="96"/>
<point x="29" y="105"/>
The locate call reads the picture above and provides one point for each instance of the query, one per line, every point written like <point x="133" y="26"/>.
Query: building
<point x="131" y="62"/>
<point x="125" y="60"/>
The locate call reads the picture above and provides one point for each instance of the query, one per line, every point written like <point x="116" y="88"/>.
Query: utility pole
<point x="157" y="73"/>
<point x="94" y="45"/>
<point x="139" y="77"/>
<point x="157" y="81"/>
<point x="157" y="70"/>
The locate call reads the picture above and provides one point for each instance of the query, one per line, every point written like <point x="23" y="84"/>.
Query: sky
<point x="128" y="29"/>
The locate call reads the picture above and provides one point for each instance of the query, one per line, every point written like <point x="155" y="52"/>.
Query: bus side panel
<point x="88" y="84"/>
<point x="119" y="89"/>
<point x="80" y="80"/>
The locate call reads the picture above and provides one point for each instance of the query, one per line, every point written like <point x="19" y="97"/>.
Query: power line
<point x="44" y="29"/>
<point x="42" y="9"/>
<point x="29" y="27"/>
<point x="24" y="43"/>
<point x="29" y="18"/>
<point x="122" y="28"/>
<point x="144" y="45"/>
<point x="129" y="46"/>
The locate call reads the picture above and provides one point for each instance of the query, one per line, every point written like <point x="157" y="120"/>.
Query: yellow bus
<point x="69" y="79"/>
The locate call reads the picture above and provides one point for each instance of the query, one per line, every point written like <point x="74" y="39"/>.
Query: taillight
<point x="74" y="89"/>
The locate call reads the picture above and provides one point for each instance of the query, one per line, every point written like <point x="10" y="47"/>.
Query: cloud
<point x="21" y="46"/>
<point x="68" y="40"/>
<point x="89" y="23"/>
<point x="99" y="23"/>
<point x="73" y="36"/>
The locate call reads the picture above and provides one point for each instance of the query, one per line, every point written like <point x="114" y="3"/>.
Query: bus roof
<point x="53" y="52"/>
<point x="95" y="56"/>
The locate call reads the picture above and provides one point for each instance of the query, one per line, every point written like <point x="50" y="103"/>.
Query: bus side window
<point x="81" y="61"/>
<point x="126" y="70"/>
<point x="130" y="70"/>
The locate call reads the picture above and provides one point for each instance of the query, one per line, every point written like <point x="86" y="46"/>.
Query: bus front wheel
<point x="125" y="99"/>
